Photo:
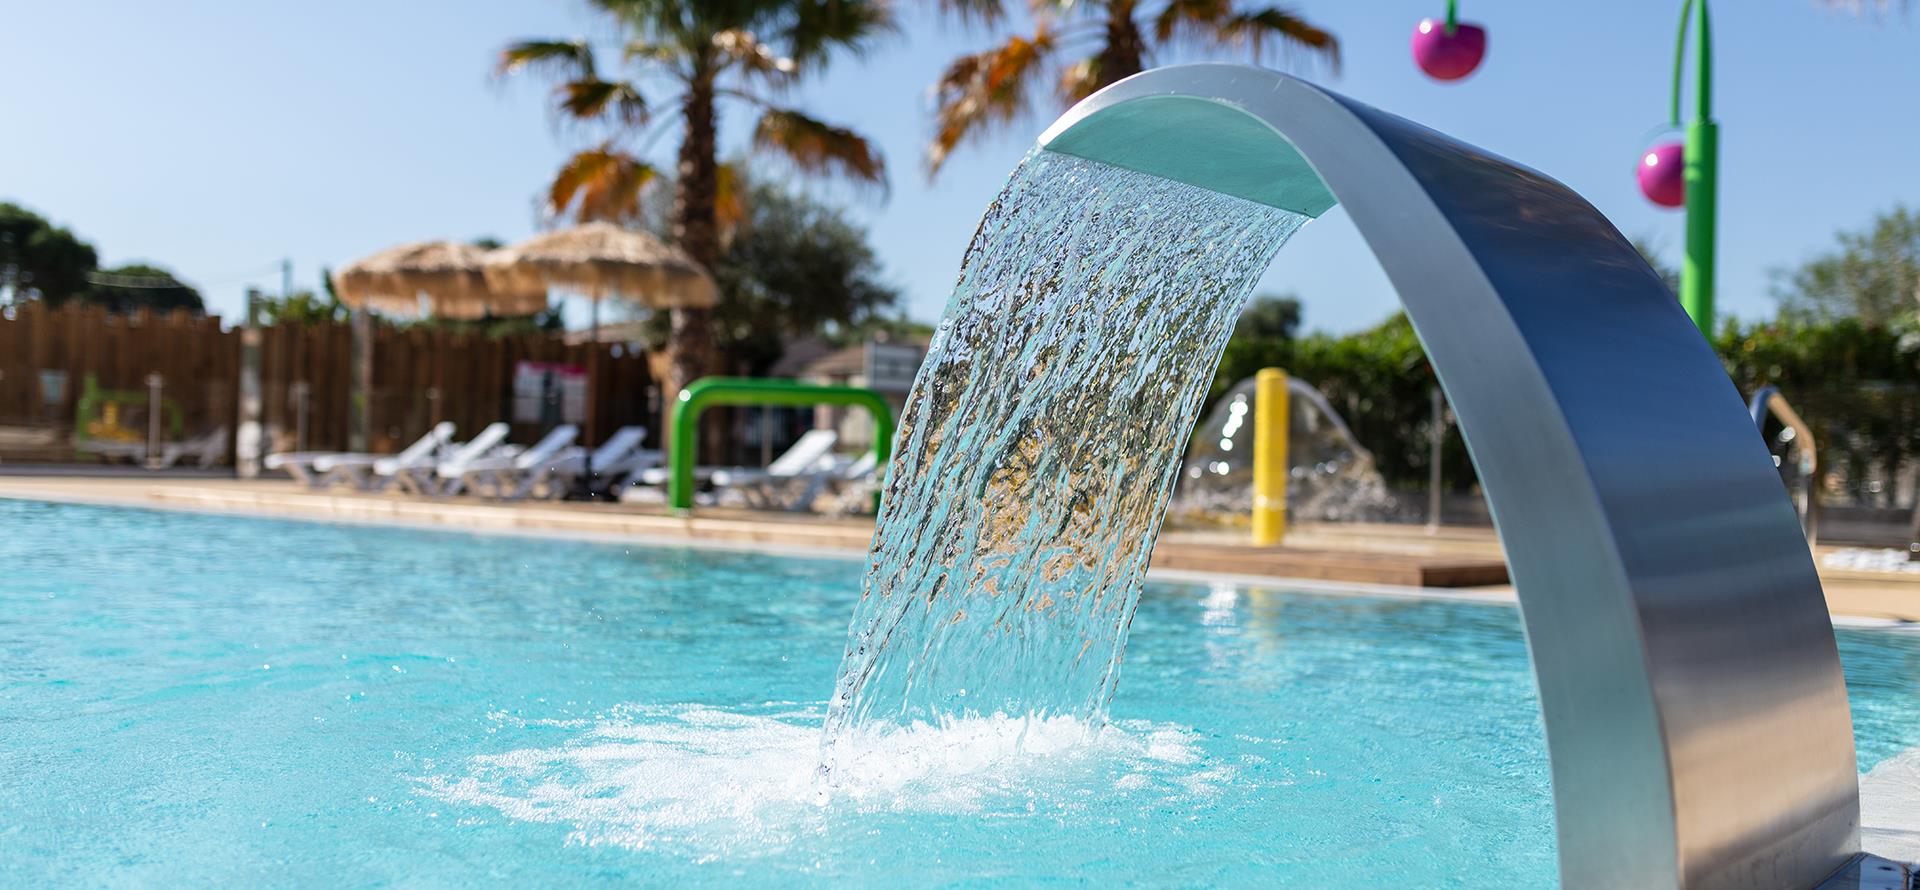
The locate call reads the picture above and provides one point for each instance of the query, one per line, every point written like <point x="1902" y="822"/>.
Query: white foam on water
<point x="711" y="783"/>
<point x="1890" y="807"/>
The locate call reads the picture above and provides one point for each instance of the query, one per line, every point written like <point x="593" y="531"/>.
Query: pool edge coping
<point x="1497" y="596"/>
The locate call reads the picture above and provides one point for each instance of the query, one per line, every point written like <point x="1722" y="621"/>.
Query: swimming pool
<point x="192" y="699"/>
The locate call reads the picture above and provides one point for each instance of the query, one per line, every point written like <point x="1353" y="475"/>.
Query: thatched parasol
<point x="449" y="274"/>
<point x="601" y="260"/>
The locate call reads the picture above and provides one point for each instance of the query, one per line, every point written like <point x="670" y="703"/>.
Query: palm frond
<point x="616" y="99"/>
<point x="601" y="183"/>
<point x="975" y="12"/>
<point x="816" y="28"/>
<point x="753" y="57"/>
<point x="678" y="22"/>
<point x="729" y="199"/>
<point x="571" y="58"/>
<point x="1253" y="30"/>
<point x="649" y="51"/>
<point x="984" y="90"/>
<point x="1183" y="18"/>
<point x="1081" y="79"/>
<point x="819" y="148"/>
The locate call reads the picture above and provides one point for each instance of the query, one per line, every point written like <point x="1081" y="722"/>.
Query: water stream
<point x="1039" y="445"/>
<point x="1330" y="475"/>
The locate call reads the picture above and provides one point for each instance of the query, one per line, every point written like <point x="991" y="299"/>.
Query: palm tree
<point x="1091" y="44"/>
<point x="687" y="56"/>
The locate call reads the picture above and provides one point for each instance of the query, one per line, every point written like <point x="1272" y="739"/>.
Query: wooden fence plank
<point x="421" y="375"/>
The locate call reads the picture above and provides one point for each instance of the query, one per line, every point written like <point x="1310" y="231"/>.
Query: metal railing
<point x="1797" y="437"/>
<point x="710" y="391"/>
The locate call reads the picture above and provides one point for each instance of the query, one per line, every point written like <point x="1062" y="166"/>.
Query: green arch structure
<point x="710" y="391"/>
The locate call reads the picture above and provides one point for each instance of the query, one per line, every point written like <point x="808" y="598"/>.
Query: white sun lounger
<point x="809" y="460"/>
<point x="813" y="450"/>
<point x="623" y="454"/>
<point x="837" y="477"/>
<point x="421" y="476"/>
<point x="854" y="485"/>
<point x="205" y="449"/>
<point x="506" y="475"/>
<point x="132" y="451"/>
<point x="319" y="469"/>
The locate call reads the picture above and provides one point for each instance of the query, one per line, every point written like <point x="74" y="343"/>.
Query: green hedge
<point x="1857" y="385"/>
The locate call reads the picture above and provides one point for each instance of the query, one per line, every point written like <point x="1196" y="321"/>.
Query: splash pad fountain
<point x="1692" y="694"/>
<point x="1331" y="476"/>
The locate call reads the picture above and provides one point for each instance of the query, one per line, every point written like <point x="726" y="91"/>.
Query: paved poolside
<point x="1391" y="556"/>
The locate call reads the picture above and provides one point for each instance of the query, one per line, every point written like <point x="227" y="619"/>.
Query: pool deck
<point x="1466" y="560"/>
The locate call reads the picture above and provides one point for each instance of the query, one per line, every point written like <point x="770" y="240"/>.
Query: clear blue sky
<point x="218" y="138"/>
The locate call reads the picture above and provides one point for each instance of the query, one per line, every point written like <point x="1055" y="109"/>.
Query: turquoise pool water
<point x="196" y="700"/>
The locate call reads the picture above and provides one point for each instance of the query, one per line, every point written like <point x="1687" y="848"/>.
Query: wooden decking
<point x="1400" y="569"/>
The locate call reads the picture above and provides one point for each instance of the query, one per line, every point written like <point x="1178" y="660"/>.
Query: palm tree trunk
<point x="1124" y="53"/>
<point x="696" y="229"/>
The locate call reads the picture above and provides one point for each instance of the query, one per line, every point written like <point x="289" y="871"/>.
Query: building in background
<point x="887" y="367"/>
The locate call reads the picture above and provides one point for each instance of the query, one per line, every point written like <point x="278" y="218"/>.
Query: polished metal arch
<point x="1692" y="693"/>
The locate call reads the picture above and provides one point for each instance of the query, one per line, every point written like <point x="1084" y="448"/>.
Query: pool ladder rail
<point x="1794" y="432"/>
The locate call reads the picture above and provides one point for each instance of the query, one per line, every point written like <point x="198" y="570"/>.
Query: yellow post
<point x="1269" y="457"/>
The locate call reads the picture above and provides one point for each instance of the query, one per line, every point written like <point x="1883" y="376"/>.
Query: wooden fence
<point x="420" y="376"/>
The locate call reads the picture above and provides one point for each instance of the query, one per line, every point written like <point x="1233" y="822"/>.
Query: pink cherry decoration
<point x="1663" y="174"/>
<point x="1446" y="56"/>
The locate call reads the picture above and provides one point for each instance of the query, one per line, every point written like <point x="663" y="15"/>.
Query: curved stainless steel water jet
<point x="1693" y="699"/>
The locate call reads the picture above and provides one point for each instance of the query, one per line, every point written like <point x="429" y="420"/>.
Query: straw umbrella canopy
<point x="451" y="276"/>
<point x="448" y="274"/>
<point x="600" y="259"/>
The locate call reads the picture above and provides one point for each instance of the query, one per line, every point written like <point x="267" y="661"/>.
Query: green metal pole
<point x="1696" y="274"/>
<point x="1702" y="170"/>
<point x="708" y="391"/>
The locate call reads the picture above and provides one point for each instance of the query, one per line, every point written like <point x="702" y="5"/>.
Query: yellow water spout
<point x="1269" y="457"/>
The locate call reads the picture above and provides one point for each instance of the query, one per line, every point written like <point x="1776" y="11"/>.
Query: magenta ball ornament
<point x="1662" y="174"/>
<point x="1446" y="56"/>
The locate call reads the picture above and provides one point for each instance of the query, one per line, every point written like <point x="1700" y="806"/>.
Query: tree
<point x="746" y="51"/>
<point x="41" y="261"/>
<point x="141" y="286"/>
<point x="1874" y="275"/>
<point x="796" y="268"/>
<point x="1650" y="251"/>
<point x="1262" y="338"/>
<point x="1856" y="383"/>
<point x="1080" y="47"/>
<point x="1269" y="317"/>
<point x="550" y="320"/>
<point x="302" y="308"/>
<point x="883" y="328"/>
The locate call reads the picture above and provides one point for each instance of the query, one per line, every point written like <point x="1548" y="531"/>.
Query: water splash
<point x="1330" y="475"/>
<point x="1890" y="807"/>
<point x="713" y="783"/>
<point x="1039" y="445"/>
